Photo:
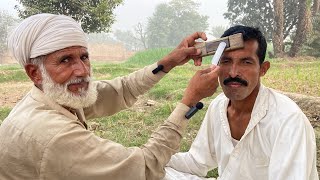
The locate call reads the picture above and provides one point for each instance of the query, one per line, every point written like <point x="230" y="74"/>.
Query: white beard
<point x="60" y="93"/>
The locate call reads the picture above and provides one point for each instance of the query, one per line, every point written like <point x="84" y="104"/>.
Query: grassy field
<point x="133" y="127"/>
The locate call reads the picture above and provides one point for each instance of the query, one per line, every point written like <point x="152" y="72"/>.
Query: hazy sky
<point x="134" y="11"/>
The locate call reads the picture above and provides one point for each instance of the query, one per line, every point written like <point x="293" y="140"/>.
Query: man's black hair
<point x="250" y="33"/>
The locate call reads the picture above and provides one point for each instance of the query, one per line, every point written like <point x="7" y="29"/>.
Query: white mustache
<point x="78" y="80"/>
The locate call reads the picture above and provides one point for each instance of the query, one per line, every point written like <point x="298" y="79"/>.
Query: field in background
<point x="133" y="127"/>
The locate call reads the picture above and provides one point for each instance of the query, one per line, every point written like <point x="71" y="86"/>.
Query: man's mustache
<point x="236" y="79"/>
<point x="78" y="80"/>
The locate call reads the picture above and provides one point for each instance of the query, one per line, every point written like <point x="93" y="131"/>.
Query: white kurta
<point x="278" y="144"/>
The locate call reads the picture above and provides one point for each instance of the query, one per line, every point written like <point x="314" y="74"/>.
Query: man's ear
<point x="34" y="73"/>
<point x="264" y="68"/>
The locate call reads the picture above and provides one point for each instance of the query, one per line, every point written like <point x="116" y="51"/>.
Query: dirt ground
<point x="11" y="93"/>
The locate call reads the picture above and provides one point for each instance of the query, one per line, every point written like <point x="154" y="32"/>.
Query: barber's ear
<point x="34" y="73"/>
<point x="264" y="67"/>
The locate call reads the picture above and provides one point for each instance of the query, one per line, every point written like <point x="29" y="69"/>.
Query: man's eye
<point x="223" y="61"/>
<point x="65" y="60"/>
<point x="247" y="62"/>
<point x="84" y="58"/>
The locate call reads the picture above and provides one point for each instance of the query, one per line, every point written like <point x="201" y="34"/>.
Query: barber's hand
<point x="203" y="84"/>
<point x="184" y="52"/>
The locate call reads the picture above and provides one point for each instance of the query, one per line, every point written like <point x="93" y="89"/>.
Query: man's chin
<point x="79" y="100"/>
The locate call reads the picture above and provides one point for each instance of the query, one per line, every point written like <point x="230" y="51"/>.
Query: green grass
<point x="132" y="127"/>
<point x="4" y="112"/>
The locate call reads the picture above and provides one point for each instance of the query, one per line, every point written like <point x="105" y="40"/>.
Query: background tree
<point x="172" y="21"/>
<point x="217" y="31"/>
<point x="141" y="34"/>
<point x="94" y="15"/>
<point x="6" y="21"/>
<point x="101" y="38"/>
<point x="303" y="27"/>
<point x="260" y="13"/>
<point x="315" y="7"/>
<point x="277" y="37"/>
<point x="133" y="40"/>
<point x="129" y="40"/>
<point x="312" y="46"/>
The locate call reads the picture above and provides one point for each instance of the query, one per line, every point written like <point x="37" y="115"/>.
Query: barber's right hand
<point x="203" y="84"/>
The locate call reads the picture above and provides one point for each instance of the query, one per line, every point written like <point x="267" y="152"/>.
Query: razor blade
<point x="233" y="42"/>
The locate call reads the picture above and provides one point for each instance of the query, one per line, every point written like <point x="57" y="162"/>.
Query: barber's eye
<point x="84" y="57"/>
<point x="65" y="60"/>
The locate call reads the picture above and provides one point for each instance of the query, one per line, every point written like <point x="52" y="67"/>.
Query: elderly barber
<point x="45" y="135"/>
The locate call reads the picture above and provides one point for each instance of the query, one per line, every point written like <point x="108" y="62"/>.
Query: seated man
<point x="250" y="132"/>
<point x="45" y="135"/>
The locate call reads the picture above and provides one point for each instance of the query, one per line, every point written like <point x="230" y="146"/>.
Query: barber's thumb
<point x="205" y="71"/>
<point x="192" y="51"/>
<point x="214" y="69"/>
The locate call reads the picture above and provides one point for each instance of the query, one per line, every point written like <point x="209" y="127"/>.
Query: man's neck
<point x="239" y="114"/>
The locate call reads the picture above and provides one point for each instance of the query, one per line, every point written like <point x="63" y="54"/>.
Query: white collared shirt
<point x="278" y="144"/>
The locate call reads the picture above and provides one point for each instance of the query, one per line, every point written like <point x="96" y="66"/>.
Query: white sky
<point x="134" y="11"/>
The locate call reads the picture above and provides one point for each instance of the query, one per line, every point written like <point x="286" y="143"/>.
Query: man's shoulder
<point x="281" y="101"/>
<point x="36" y="120"/>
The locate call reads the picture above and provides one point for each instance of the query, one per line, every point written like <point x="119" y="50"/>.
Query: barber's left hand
<point x="184" y="52"/>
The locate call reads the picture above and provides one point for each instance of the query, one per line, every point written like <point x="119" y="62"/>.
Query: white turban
<point x="43" y="34"/>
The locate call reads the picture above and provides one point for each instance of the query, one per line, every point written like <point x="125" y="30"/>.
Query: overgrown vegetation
<point x="132" y="127"/>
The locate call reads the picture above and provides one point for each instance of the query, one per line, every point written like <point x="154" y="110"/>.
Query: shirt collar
<point x="259" y="110"/>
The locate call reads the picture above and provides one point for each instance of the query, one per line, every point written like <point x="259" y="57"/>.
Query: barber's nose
<point x="80" y="68"/>
<point x="234" y="71"/>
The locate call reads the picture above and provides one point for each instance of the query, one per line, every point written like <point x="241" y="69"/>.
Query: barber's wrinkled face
<point x="240" y="71"/>
<point x="66" y="78"/>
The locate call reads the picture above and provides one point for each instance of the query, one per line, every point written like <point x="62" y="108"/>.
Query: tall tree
<point x="312" y="46"/>
<point x="141" y="34"/>
<point x="261" y="13"/>
<point x="128" y="38"/>
<point x="303" y="27"/>
<point x="315" y="7"/>
<point x="277" y="37"/>
<point x="217" y="31"/>
<point x="173" y="21"/>
<point x="94" y="15"/>
<point x="6" y="21"/>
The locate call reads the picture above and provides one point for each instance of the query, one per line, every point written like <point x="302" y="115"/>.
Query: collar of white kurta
<point x="260" y="109"/>
<point x="39" y="96"/>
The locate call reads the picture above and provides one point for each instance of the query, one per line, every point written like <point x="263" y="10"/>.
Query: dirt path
<point x="11" y="93"/>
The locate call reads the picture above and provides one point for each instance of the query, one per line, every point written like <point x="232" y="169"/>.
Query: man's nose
<point x="80" y="68"/>
<point x="234" y="71"/>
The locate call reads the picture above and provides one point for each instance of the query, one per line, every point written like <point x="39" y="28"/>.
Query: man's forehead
<point x="72" y="49"/>
<point x="250" y="49"/>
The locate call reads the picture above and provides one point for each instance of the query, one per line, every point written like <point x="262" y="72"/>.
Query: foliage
<point x="6" y="20"/>
<point x="128" y="38"/>
<point x="312" y="46"/>
<point x="94" y="15"/>
<point x="217" y="31"/>
<point x="101" y="38"/>
<point x="260" y="13"/>
<point x="173" y="21"/>
<point x="303" y="27"/>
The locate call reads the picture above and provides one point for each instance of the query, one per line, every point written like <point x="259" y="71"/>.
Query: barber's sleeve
<point x="122" y="92"/>
<point x="294" y="152"/>
<point x="200" y="158"/>
<point x="76" y="153"/>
